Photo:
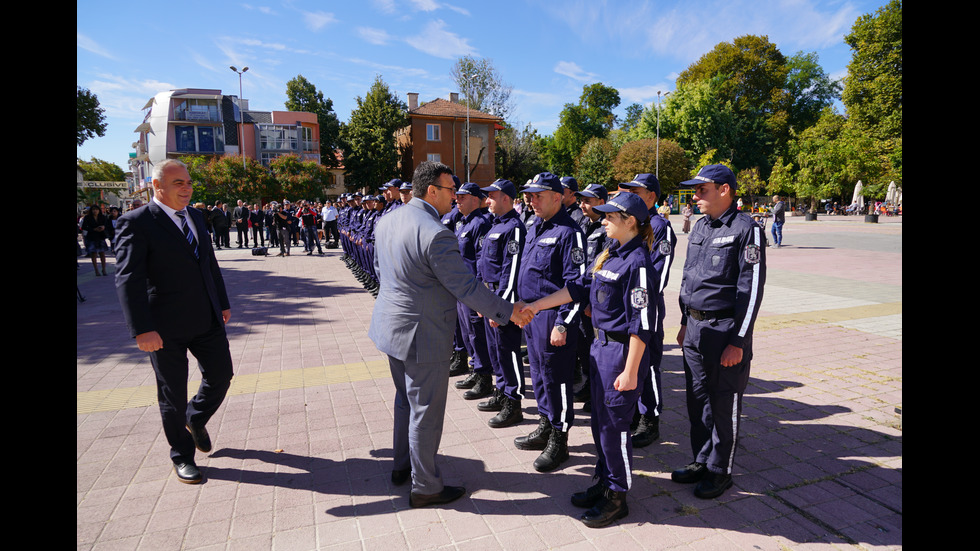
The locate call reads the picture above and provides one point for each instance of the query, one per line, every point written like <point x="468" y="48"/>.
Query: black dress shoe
<point x="713" y="485"/>
<point x="188" y="473"/>
<point x="202" y="440"/>
<point x="448" y="493"/>
<point x="689" y="474"/>
<point x="399" y="477"/>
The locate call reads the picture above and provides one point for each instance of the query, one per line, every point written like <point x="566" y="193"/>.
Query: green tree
<point x="89" y="116"/>
<point x="299" y="179"/>
<point x="750" y="183"/>
<point x="370" y="151"/>
<point x="482" y="86"/>
<point x="518" y="155"/>
<point x="810" y="88"/>
<point x="592" y="117"/>
<point x="227" y="178"/>
<point x="640" y="156"/>
<point x="873" y="86"/>
<point x="633" y="113"/>
<point x="98" y="170"/>
<point x="594" y="164"/>
<point x="781" y="178"/>
<point x="302" y="95"/>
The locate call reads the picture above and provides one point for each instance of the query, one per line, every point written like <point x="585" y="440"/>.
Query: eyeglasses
<point x="451" y="190"/>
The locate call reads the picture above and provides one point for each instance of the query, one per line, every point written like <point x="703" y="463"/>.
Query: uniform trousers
<point x="420" y="411"/>
<point x="471" y="327"/>
<point x="651" y="399"/>
<point x="714" y="393"/>
<point x="552" y="369"/>
<point x="504" y="345"/>
<point x="612" y="411"/>
<point x="170" y="365"/>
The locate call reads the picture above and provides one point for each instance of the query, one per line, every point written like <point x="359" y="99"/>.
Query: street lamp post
<point x="658" y="131"/>
<point x="241" y="114"/>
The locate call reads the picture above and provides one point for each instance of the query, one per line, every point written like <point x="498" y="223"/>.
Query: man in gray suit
<point x="422" y="277"/>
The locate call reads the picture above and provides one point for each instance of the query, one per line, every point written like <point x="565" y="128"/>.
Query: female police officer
<point x="621" y="289"/>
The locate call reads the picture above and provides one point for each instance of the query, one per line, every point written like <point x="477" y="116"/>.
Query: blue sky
<point x="547" y="50"/>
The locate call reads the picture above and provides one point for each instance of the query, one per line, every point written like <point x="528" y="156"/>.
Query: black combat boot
<point x="610" y="508"/>
<point x="495" y="403"/>
<point x="590" y="497"/>
<point x="538" y="438"/>
<point x="468" y="382"/>
<point x="483" y="387"/>
<point x="554" y="454"/>
<point x="457" y="364"/>
<point x="647" y="431"/>
<point x="510" y="414"/>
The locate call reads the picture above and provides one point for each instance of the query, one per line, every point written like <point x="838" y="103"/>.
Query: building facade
<point x="438" y="132"/>
<point x="195" y="121"/>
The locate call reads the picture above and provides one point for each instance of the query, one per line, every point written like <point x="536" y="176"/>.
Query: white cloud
<point x="87" y="43"/>
<point x="644" y="95"/>
<point x="374" y="36"/>
<point x="571" y="70"/>
<point x="435" y="40"/>
<point x="317" y="20"/>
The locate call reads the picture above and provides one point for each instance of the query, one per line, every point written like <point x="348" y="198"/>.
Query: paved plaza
<point x="302" y="445"/>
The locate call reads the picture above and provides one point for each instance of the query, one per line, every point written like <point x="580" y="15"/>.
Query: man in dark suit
<point x="240" y="215"/>
<point x="422" y="277"/>
<point x="174" y="301"/>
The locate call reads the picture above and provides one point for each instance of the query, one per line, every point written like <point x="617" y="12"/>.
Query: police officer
<point x="405" y="192"/>
<point x="498" y="267"/>
<point x="471" y="229"/>
<point x="569" y="200"/>
<point x="662" y="253"/>
<point x="554" y="254"/>
<point x="720" y="295"/>
<point x="459" y="361"/>
<point x="618" y="288"/>
<point x="595" y="238"/>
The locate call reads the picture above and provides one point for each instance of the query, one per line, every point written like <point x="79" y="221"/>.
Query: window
<point x="202" y="139"/>
<point x="277" y="137"/>
<point x="434" y="157"/>
<point x="433" y="132"/>
<point x="193" y="109"/>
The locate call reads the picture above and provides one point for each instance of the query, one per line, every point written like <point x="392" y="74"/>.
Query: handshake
<point x="523" y="313"/>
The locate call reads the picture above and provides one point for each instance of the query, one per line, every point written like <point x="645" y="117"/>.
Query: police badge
<point x="664" y="247"/>
<point x="752" y="254"/>
<point x="639" y="298"/>
<point x="513" y="247"/>
<point x="578" y="255"/>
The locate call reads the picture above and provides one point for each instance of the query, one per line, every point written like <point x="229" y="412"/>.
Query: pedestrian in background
<point x="94" y="235"/>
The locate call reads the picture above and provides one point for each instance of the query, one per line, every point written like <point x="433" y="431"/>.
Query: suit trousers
<point x="471" y="326"/>
<point x="171" y="367"/>
<point x="420" y="411"/>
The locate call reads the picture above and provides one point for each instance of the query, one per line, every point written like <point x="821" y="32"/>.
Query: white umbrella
<point x="858" y="198"/>
<point x="892" y="195"/>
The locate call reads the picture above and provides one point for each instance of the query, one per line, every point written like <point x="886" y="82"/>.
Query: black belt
<point x="702" y="315"/>
<point x="605" y="336"/>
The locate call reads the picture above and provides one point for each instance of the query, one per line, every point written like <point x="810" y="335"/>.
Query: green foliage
<point x="592" y="117"/>
<point x="98" y="170"/>
<point x="483" y="89"/>
<point x="873" y="87"/>
<point x="519" y="155"/>
<point x="781" y="178"/>
<point x="300" y="179"/>
<point x="370" y="151"/>
<point x="811" y="89"/>
<point x="89" y="116"/>
<point x="633" y="113"/>
<point x="640" y="156"/>
<point x="302" y="95"/>
<point x="227" y="178"/>
<point x="750" y="183"/>
<point x="594" y="164"/>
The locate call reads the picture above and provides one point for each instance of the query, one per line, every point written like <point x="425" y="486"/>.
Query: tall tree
<point x="518" y="155"/>
<point x="89" y="116"/>
<point x="302" y="95"/>
<point x="640" y="156"/>
<point x="594" y="164"/>
<point x="633" y="113"/>
<point x="482" y="87"/>
<point x="810" y="88"/>
<point x="98" y="170"/>
<point x="592" y="117"/>
<point x="370" y="151"/>
<point x="873" y="86"/>
<point x="299" y="179"/>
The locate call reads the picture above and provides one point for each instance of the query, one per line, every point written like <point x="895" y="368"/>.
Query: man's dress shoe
<point x="448" y="493"/>
<point x="188" y="473"/>
<point x="202" y="440"/>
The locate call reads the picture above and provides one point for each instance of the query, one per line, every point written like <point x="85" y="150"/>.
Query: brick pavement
<point x="302" y="445"/>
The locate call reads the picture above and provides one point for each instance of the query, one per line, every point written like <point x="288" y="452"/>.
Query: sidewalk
<point x="302" y="444"/>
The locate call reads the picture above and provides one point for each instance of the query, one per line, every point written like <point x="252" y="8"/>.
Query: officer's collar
<point x="512" y="213"/>
<point x="726" y="217"/>
<point x="562" y="214"/>
<point x="626" y="248"/>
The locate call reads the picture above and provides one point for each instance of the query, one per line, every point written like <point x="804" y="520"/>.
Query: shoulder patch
<point x="664" y="247"/>
<point x="639" y="298"/>
<point x="753" y="254"/>
<point x="513" y="247"/>
<point x="578" y="255"/>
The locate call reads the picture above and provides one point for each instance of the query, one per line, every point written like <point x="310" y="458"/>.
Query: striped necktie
<point x="188" y="234"/>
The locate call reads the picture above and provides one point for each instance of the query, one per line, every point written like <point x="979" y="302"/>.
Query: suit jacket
<point x="422" y="276"/>
<point x="161" y="285"/>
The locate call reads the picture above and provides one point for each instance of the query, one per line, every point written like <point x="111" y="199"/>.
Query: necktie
<point x="188" y="234"/>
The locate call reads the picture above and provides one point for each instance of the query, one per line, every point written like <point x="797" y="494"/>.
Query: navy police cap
<point x="505" y="186"/>
<point x="713" y="174"/>
<point x="597" y="191"/>
<point x="645" y="180"/>
<point x="469" y="188"/>
<point x="630" y="203"/>
<point x="569" y="182"/>
<point x="544" y="181"/>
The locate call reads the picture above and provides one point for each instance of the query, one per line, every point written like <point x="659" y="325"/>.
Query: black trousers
<point x="170" y="364"/>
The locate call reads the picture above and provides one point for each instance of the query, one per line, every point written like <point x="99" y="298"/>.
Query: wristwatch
<point x="560" y="328"/>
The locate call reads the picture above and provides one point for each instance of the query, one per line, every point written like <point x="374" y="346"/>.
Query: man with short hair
<point x="219" y="223"/>
<point x="329" y="215"/>
<point x="778" y="219"/>
<point x="257" y="220"/>
<point x="174" y="300"/>
<point x="240" y="214"/>
<point x="422" y="277"/>
<point x="720" y="296"/>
